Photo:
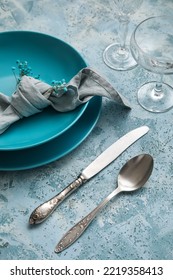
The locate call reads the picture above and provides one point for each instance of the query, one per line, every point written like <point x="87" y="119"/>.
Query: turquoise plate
<point x="56" y="148"/>
<point x="52" y="59"/>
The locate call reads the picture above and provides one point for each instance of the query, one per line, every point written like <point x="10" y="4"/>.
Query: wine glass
<point x="118" y="55"/>
<point x="152" y="48"/>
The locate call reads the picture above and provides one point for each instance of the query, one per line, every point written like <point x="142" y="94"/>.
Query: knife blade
<point x="43" y="211"/>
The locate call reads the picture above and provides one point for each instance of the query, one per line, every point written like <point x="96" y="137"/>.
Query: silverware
<point x="44" y="210"/>
<point x="132" y="176"/>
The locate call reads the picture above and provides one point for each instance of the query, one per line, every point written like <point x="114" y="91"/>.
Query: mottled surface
<point x="132" y="226"/>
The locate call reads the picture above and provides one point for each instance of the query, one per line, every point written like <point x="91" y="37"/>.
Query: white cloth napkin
<point x="33" y="95"/>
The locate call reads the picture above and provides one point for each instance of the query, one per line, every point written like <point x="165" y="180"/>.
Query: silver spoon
<point x="132" y="176"/>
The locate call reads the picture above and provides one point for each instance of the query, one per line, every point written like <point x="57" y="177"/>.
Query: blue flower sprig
<point x="24" y="70"/>
<point x="59" y="87"/>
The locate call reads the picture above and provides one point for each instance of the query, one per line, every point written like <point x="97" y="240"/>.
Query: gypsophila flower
<point x="59" y="87"/>
<point x="23" y="70"/>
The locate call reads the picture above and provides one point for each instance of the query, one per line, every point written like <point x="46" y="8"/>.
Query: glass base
<point x="118" y="59"/>
<point x="155" y="101"/>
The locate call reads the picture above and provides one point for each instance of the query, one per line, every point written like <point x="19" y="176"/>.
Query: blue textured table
<point x="132" y="226"/>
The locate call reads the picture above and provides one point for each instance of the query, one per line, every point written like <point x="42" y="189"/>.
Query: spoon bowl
<point x="132" y="176"/>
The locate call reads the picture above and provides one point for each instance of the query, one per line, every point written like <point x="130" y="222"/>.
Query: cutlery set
<point x="132" y="176"/>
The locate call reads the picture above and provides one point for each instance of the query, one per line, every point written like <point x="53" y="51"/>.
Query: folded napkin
<point x="33" y="95"/>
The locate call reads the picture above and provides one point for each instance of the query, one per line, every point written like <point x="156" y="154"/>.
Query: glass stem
<point x="123" y="29"/>
<point x="158" y="86"/>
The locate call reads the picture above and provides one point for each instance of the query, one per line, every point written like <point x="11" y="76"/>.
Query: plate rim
<point x="96" y="99"/>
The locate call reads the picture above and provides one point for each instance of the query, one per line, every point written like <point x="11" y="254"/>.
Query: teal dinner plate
<point x="52" y="59"/>
<point x="55" y="148"/>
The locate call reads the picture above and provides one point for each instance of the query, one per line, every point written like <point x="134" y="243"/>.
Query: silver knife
<point x="43" y="211"/>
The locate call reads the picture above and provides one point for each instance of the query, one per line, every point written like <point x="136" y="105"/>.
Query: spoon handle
<point x="43" y="211"/>
<point x="76" y="231"/>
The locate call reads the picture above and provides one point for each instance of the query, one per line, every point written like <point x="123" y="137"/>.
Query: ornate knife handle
<point x="43" y="211"/>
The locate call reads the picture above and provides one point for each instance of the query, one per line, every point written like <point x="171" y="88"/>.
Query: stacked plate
<point x="47" y="136"/>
